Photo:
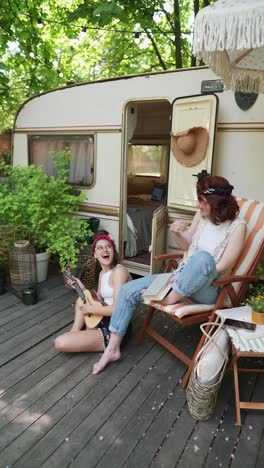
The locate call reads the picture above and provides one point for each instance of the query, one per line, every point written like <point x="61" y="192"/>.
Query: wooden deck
<point x="55" y="413"/>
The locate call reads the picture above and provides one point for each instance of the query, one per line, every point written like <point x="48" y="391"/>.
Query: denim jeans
<point x="194" y="282"/>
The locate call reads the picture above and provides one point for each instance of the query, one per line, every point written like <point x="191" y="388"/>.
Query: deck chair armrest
<point x="235" y="279"/>
<point x="170" y="261"/>
<point x="168" y="256"/>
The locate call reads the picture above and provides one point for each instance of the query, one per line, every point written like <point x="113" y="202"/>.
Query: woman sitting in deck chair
<point x="111" y="278"/>
<point x="214" y="242"/>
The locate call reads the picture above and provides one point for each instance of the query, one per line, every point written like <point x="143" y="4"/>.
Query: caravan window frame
<point x="161" y="174"/>
<point x="64" y="139"/>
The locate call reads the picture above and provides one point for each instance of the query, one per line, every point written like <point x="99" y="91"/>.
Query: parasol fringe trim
<point x="237" y="79"/>
<point x="235" y="32"/>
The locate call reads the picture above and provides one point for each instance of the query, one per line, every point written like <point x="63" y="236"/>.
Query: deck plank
<point x="123" y="431"/>
<point x="251" y="436"/>
<point x="84" y="416"/>
<point x="55" y="413"/>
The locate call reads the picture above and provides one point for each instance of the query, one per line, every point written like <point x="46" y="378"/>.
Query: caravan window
<point x="147" y="160"/>
<point x="81" y="155"/>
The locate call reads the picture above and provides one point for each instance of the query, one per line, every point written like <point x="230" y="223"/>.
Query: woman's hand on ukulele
<point x="90" y="309"/>
<point x="71" y="282"/>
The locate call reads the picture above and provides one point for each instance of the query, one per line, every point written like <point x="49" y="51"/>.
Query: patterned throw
<point x="242" y="339"/>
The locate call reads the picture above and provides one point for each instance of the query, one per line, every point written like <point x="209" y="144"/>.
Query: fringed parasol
<point x="229" y="37"/>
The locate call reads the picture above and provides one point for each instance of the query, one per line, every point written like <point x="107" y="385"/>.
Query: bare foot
<point x="108" y="356"/>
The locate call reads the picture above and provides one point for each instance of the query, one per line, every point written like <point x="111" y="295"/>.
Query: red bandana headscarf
<point x="102" y="236"/>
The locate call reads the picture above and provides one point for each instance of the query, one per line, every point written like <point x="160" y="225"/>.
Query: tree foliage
<point x="122" y="37"/>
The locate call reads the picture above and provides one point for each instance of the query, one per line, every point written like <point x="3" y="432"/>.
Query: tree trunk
<point x="195" y="11"/>
<point x="177" y="37"/>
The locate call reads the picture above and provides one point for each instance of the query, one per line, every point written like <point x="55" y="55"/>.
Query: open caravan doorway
<point x="146" y="163"/>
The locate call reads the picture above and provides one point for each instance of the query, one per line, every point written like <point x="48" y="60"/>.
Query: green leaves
<point x="107" y="11"/>
<point x="47" y="207"/>
<point x="35" y="60"/>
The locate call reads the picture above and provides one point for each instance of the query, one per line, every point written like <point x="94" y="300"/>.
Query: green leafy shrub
<point x="46" y="206"/>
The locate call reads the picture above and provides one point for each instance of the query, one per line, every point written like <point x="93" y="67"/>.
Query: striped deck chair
<point x="233" y="286"/>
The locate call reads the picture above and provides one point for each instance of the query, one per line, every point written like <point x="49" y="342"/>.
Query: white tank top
<point x="106" y="291"/>
<point x="211" y="238"/>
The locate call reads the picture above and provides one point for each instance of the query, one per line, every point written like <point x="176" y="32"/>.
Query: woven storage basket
<point x="23" y="270"/>
<point x="201" y="399"/>
<point x="85" y="269"/>
<point x="87" y="276"/>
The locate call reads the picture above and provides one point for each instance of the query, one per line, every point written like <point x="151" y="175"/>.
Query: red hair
<point x="217" y="192"/>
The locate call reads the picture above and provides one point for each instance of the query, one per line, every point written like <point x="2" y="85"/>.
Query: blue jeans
<point x="194" y="282"/>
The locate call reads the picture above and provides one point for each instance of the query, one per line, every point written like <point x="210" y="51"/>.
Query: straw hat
<point x="189" y="147"/>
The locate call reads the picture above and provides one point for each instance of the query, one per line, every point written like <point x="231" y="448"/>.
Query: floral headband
<point x="212" y="190"/>
<point x="217" y="190"/>
<point x="99" y="237"/>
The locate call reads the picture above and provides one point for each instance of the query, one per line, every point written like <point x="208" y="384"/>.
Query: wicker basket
<point x="85" y="269"/>
<point x="23" y="270"/>
<point x="201" y="399"/>
<point x="88" y="267"/>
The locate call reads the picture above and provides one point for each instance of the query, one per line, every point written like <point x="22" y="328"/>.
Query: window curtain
<point x="81" y="158"/>
<point x="40" y="154"/>
<point x="81" y="167"/>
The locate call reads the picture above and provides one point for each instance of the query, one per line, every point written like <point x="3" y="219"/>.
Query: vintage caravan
<point x="119" y="133"/>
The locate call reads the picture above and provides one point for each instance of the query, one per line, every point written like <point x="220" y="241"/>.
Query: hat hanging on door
<point x="189" y="146"/>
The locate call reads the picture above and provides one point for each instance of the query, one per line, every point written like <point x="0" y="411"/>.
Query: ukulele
<point x="86" y="295"/>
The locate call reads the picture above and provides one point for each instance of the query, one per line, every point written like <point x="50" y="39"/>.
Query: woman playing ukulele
<point x="111" y="278"/>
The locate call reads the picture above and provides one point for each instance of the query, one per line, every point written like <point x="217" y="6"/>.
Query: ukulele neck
<point x="78" y="289"/>
<point x="80" y="292"/>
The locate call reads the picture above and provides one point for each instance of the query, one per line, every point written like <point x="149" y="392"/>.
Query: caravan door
<point x="158" y="239"/>
<point x="146" y="160"/>
<point x="187" y="112"/>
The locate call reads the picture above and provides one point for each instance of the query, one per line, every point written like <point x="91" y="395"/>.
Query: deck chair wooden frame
<point x="234" y="286"/>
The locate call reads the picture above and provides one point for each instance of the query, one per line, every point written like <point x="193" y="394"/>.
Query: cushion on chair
<point x="212" y="359"/>
<point x="181" y="309"/>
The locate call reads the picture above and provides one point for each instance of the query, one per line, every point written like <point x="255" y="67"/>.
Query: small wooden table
<point x="236" y="355"/>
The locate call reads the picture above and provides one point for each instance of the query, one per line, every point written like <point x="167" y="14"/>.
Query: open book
<point x="158" y="289"/>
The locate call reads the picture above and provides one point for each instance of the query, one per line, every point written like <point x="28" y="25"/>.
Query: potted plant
<point x="46" y="206"/>
<point x="257" y="304"/>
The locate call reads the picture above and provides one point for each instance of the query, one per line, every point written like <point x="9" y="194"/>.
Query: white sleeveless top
<point x="212" y="238"/>
<point x="106" y="291"/>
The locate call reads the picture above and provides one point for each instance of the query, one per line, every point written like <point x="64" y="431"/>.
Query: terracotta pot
<point x="257" y="317"/>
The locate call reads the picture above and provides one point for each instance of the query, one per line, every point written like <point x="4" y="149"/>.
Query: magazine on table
<point x="158" y="289"/>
